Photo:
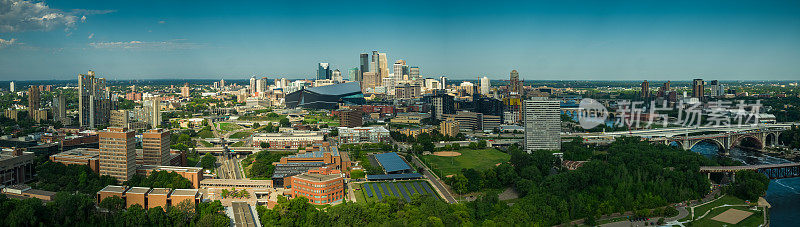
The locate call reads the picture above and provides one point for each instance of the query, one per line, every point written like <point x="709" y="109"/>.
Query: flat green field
<point x="481" y="159"/>
<point x="240" y="135"/>
<point x="229" y="126"/>
<point x="361" y="195"/>
<point x="726" y="199"/>
<point x="756" y="219"/>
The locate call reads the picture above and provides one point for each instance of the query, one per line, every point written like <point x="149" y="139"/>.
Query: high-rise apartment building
<point x="185" y="90"/>
<point x="118" y="153"/>
<point x="542" y="117"/>
<point x="222" y="83"/>
<point x="371" y="80"/>
<point x="645" y="92"/>
<point x="94" y="103"/>
<point x="442" y="82"/>
<point x="486" y="85"/>
<point x="154" y="107"/>
<point x="441" y="103"/>
<point x="155" y="147"/>
<point x="59" y="108"/>
<point x="12" y="87"/>
<point x="515" y="84"/>
<point x="120" y="119"/>
<point x="252" y="85"/>
<point x="34" y="100"/>
<point x="717" y="88"/>
<point x="323" y="71"/>
<point x="397" y="70"/>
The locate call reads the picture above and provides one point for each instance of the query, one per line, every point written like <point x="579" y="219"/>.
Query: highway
<point x="243" y="215"/>
<point x="229" y="168"/>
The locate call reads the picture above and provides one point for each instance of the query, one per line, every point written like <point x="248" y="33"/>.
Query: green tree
<point x="208" y="161"/>
<point x="285" y="122"/>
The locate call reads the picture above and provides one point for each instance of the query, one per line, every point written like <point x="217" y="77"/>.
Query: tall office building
<point x="384" y="65"/>
<point x="34" y="100"/>
<point x="222" y="83"/>
<point x="414" y="73"/>
<point x="515" y="84"/>
<point x="59" y="108"/>
<point x="155" y="147"/>
<point x="486" y="85"/>
<point x="120" y="118"/>
<point x="374" y="65"/>
<point x="698" y="88"/>
<point x="337" y="75"/>
<point x="262" y="86"/>
<point x="542" y="117"/>
<point x="371" y="80"/>
<point x="118" y="153"/>
<point x="252" y="85"/>
<point x="398" y="71"/>
<point x="442" y="82"/>
<point x="94" y="103"/>
<point x="353" y="74"/>
<point x="645" y="92"/>
<point x="363" y="67"/>
<point x="323" y="71"/>
<point x="12" y="87"/>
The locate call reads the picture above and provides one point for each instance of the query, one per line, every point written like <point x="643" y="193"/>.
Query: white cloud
<point x="24" y="15"/>
<point x="91" y="36"/>
<point x="5" y="43"/>
<point x="146" y="45"/>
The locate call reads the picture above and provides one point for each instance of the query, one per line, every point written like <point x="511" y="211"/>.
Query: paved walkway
<point x="435" y="181"/>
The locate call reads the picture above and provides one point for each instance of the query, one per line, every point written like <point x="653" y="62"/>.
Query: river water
<point x="782" y="194"/>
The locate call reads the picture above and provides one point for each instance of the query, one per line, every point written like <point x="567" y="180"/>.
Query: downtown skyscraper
<point x="324" y="71"/>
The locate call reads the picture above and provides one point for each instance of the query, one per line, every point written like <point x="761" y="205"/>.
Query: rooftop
<point x="184" y="192"/>
<point x="114" y="189"/>
<point x="392" y="162"/>
<point x="138" y="190"/>
<point x="160" y="191"/>
<point x="318" y="177"/>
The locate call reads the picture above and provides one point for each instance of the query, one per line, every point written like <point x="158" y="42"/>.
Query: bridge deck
<point x="750" y="167"/>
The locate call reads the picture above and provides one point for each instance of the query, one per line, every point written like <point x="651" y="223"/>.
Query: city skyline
<point x="575" y="40"/>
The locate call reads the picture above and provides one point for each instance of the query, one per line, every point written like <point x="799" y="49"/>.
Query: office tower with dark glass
<point x="94" y="104"/>
<point x="323" y="71"/>
<point x="363" y="66"/>
<point x="542" y="119"/>
<point x="118" y="153"/>
<point x="645" y="92"/>
<point x="698" y="88"/>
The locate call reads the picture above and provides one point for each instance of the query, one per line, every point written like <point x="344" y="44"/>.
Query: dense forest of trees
<point x="749" y="185"/>
<point x="57" y="177"/>
<point x="160" y="179"/>
<point x="77" y="209"/>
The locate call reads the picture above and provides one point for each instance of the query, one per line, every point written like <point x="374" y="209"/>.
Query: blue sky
<point x="543" y="40"/>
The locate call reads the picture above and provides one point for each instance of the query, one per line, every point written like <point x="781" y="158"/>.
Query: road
<point x="243" y="215"/>
<point x="229" y="168"/>
<point x="448" y="197"/>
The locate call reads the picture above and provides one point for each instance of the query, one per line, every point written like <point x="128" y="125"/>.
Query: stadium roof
<point x="401" y="176"/>
<point x="337" y="89"/>
<point x="392" y="162"/>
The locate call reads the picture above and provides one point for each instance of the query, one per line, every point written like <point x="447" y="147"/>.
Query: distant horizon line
<point x="588" y="80"/>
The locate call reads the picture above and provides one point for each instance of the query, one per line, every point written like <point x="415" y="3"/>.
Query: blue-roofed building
<point x="326" y="97"/>
<point x="392" y="163"/>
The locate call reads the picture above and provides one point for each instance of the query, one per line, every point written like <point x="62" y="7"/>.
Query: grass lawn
<point x="240" y="135"/>
<point x="229" y="126"/>
<point x="205" y="134"/>
<point x="753" y="220"/>
<point x="481" y="159"/>
<point x="726" y="199"/>
<point x="204" y="143"/>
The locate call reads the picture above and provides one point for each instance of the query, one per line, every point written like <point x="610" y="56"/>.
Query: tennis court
<point x="378" y="191"/>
